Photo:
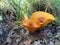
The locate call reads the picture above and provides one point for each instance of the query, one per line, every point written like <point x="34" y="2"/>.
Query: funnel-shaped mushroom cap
<point x="42" y="17"/>
<point x="37" y="20"/>
<point x="30" y="25"/>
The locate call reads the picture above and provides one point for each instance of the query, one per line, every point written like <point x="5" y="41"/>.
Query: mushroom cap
<point x="37" y="20"/>
<point x="30" y="25"/>
<point x="42" y="17"/>
<point x="38" y="14"/>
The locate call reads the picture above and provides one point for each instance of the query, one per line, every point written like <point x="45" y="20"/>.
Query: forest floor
<point x="48" y="35"/>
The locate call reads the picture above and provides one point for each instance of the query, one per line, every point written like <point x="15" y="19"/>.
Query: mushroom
<point x="30" y="25"/>
<point x="43" y="18"/>
<point x="37" y="20"/>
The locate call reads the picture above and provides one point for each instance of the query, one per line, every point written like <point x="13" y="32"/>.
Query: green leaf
<point x="1" y="17"/>
<point x="57" y="43"/>
<point x="0" y="0"/>
<point x="57" y="36"/>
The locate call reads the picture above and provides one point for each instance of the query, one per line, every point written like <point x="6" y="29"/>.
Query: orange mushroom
<point x="30" y="25"/>
<point x="37" y="20"/>
<point x="43" y="18"/>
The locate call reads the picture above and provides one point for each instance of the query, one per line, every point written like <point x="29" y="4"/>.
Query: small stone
<point x="9" y="40"/>
<point x="37" y="43"/>
<point x="58" y="27"/>
<point x="1" y="32"/>
<point x="51" y="43"/>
